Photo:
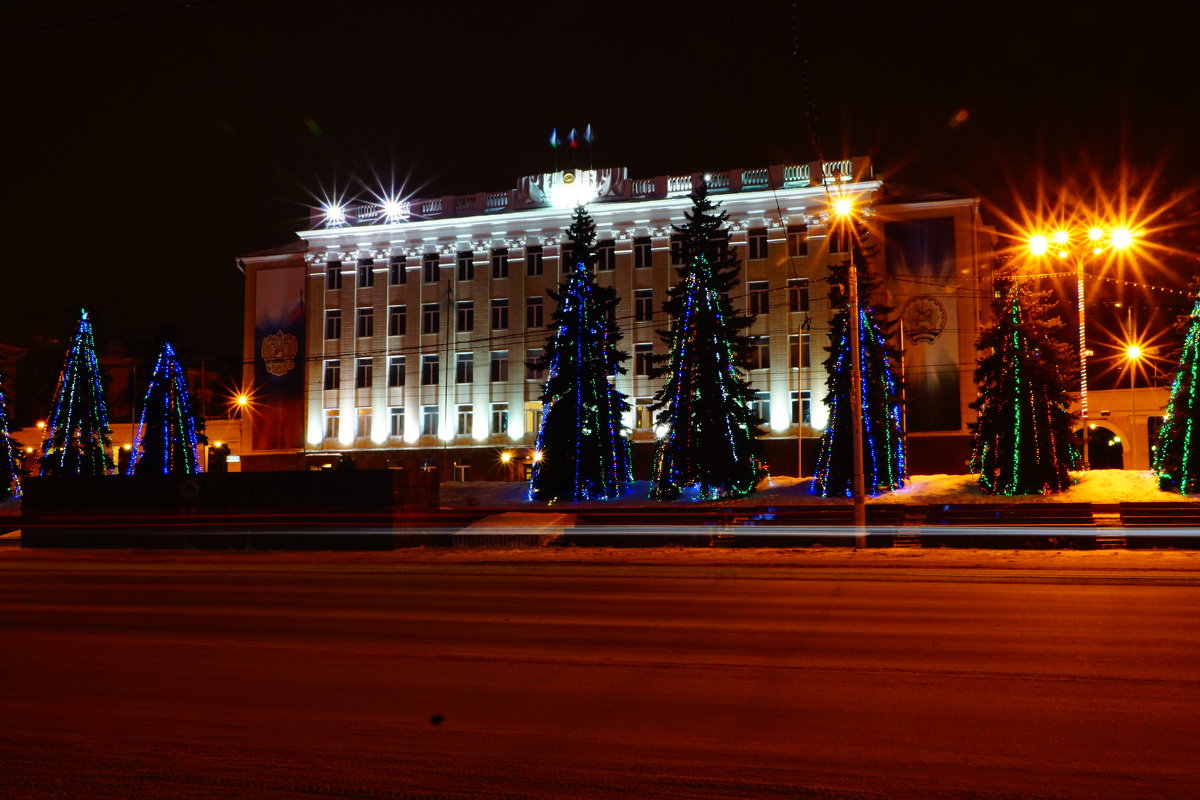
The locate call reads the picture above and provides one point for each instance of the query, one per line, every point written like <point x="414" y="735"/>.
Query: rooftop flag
<point x="573" y="140"/>
<point x="554" y="138"/>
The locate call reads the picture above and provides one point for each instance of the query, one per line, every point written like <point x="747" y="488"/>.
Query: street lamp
<point x="1078" y="244"/>
<point x="843" y="209"/>
<point x="1134" y="355"/>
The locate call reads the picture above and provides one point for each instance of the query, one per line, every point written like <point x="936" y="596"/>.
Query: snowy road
<point x="386" y="677"/>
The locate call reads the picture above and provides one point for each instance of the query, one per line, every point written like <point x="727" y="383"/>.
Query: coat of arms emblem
<point x="924" y="319"/>
<point x="279" y="352"/>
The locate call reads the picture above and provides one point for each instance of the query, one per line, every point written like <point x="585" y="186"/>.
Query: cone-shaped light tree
<point x="78" y="441"/>
<point x="581" y="452"/>
<point x="1177" y="457"/>
<point x="1023" y="440"/>
<point x="709" y="447"/>
<point x="883" y="443"/>
<point x="168" y="437"/>
<point x="10" y="474"/>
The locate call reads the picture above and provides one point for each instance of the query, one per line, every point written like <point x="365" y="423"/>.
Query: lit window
<point x="332" y="426"/>
<point x="362" y="427"/>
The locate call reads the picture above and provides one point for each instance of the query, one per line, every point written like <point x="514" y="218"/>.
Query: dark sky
<point x="148" y="142"/>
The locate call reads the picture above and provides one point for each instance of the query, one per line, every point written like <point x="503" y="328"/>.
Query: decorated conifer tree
<point x="78" y="441"/>
<point x="582" y="452"/>
<point x="10" y="474"/>
<point x="1177" y="457"/>
<point x="1023" y="439"/>
<point x="710" y="447"/>
<point x="884" y="467"/>
<point x="168" y="437"/>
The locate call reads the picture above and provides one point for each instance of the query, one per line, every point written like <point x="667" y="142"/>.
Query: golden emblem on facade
<point x="279" y="352"/>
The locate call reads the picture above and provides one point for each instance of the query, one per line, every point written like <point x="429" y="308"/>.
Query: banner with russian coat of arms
<point x="924" y="287"/>
<point x="278" y="412"/>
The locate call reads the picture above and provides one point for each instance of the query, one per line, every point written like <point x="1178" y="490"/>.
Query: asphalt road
<point x="121" y="679"/>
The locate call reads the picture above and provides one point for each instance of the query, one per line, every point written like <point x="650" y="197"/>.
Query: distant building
<point x="398" y="334"/>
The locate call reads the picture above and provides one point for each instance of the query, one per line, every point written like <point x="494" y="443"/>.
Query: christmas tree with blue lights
<point x="78" y="441"/>
<point x="710" y="447"/>
<point x="582" y="452"/>
<point x="10" y="473"/>
<point x="1023" y="437"/>
<point x="882" y="421"/>
<point x="168" y="434"/>
<point x="1176" y="460"/>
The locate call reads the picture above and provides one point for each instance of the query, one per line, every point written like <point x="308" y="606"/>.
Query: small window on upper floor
<point x="756" y="243"/>
<point x="643" y="255"/>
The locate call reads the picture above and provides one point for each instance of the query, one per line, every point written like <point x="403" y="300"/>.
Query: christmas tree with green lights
<point x="168" y="435"/>
<point x="710" y="447"/>
<point x="10" y="472"/>
<point x="882" y="424"/>
<point x="78" y="441"/>
<point x="1023" y="439"/>
<point x="1177" y="457"/>
<point x="582" y="451"/>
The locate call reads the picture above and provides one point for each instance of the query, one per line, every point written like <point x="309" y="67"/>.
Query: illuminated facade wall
<point x="418" y="327"/>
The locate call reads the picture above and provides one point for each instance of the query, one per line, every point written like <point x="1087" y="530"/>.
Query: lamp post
<point x="1078" y="245"/>
<point x="843" y="209"/>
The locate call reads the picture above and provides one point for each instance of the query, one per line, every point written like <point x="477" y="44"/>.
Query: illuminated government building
<point x="397" y="332"/>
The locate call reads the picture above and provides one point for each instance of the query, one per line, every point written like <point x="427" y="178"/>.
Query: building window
<point x="364" y="373"/>
<point x="396" y="272"/>
<point x="466" y="265"/>
<point x="333" y="374"/>
<point x="366" y="273"/>
<point x="429" y="370"/>
<point x="798" y="294"/>
<point x="429" y="420"/>
<point x="431" y="319"/>
<point x="643" y="305"/>
<point x="759" y="293"/>
<point x="395" y="371"/>
<point x="499" y="315"/>
<point x="643" y="417"/>
<point x="499" y="417"/>
<point x="676" y="250"/>
<point x="499" y="370"/>
<point x="500" y="262"/>
<point x="332" y="426"/>
<point x="333" y="323"/>
<point x="802" y="407"/>
<point x="533" y="312"/>
<point x="642" y="256"/>
<point x="431" y="265"/>
<point x="396" y="421"/>
<point x="797" y="239"/>
<point x="760" y="406"/>
<point x="464" y="368"/>
<point x="533" y="417"/>
<point x="643" y="354"/>
<point x="397" y="320"/>
<point x="366" y="322"/>
<point x="839" y="239"/>
<point x="798" y="351"/>
<point x="533" y="368"/>
<point x="466" y="420"/>
<point x="606" y="252"/>
<point x="756" y="243"/>
<point x="465" y="320"/>
<point x="760" y="352"/>
<point x="333" y="275"/>
<point x="533" y="260"/>
<point x="362" y="426"/>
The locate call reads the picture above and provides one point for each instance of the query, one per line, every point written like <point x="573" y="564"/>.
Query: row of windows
<point x="758" y="302"/>
<point x="801" y="410"/>
<point x="606" y="249"/>
<point x="464" y="364"/>
<point x="464" y="370"/>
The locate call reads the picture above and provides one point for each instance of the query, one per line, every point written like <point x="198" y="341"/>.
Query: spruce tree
<point x="78" y="441"/>
<point x="882" y="426"/>
<point x="582" y="451"/>
<point x="10" y="472"/>
<point x="1023" y="437"/>
<point x="167" y="439"/>
<point x="1177" y="457"/>
<point x="710" y="448"/>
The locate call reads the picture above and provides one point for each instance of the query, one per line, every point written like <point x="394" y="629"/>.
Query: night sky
<point x="149" y="143"/>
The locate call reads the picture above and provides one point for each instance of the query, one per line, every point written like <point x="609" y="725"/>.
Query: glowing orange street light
<point x="844" y="210"/>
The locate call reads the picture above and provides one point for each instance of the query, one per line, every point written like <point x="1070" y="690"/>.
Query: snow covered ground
<point x="1095" y="486"/>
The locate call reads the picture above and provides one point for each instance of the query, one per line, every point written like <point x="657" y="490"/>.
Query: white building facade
<point x="408" y="325"/>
